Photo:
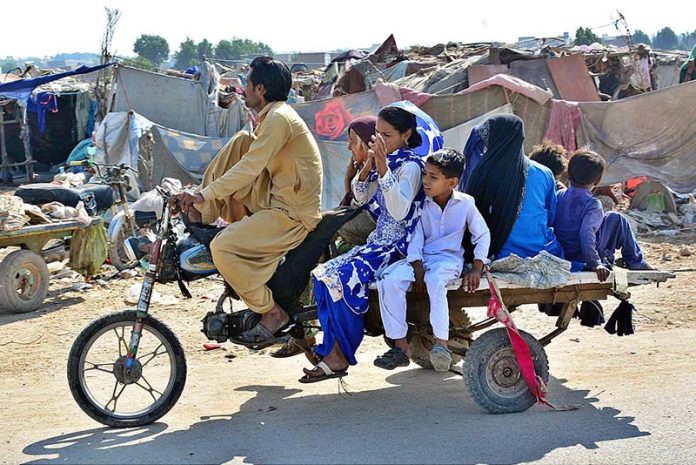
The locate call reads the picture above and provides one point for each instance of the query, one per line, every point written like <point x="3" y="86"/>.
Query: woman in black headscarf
<point x="515" y="195"/>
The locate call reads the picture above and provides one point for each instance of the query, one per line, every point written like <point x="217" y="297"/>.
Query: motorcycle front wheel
<point x="121" y="397"/>
<point x="117" y="234"/>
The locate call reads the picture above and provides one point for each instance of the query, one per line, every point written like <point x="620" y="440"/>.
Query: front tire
<point x="79" y="364"/>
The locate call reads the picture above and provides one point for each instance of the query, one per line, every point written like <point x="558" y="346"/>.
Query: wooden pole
<point x="26" y="140"/>
<point x="6" y="173"/>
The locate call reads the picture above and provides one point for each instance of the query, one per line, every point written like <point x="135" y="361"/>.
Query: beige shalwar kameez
<point x="275" y="177"/>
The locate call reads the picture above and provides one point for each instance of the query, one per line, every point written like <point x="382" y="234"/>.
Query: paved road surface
<point x="638" y="400"/>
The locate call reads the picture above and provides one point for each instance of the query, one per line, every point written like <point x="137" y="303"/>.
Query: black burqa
<point x="498" y="182"/>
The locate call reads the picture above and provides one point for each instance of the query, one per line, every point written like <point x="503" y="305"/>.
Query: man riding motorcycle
<point x="267" y="185"/>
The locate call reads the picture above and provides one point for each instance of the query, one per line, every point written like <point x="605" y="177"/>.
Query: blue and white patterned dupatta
<point x="348" y="276"/>
<point x="432" y="139"/>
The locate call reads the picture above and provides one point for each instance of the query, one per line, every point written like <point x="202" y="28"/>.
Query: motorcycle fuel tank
<point x="195" y="260"/>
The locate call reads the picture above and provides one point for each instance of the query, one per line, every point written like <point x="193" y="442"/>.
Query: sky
<point x="287" y="26"/>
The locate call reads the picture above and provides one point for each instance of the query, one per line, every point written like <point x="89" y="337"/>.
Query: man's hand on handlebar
<point x="186" y="200"/>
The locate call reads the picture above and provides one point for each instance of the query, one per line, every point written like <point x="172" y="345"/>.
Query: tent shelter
<point x="183" y="104"/>
<point x="30" y="131"/>
<point x="617" y="130"/>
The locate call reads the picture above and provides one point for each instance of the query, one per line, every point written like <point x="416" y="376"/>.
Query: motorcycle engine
<point x="216" y="326"/>
<point x="220" y="326"/>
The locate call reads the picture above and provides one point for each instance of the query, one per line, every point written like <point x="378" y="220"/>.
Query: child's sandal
<point x="441" y="357"/>
<point x="392" y="358"/>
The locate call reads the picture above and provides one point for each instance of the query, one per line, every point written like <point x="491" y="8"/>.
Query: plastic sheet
<point x="88" y="249"/>
<point x="543" y="271"/>
<point x="12" y="215"/>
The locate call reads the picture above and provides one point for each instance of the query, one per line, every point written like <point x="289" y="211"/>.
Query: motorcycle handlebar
<point x="121" y="166"/>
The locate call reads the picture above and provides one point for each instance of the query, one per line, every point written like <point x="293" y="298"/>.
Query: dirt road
<point x="638" y="394"/>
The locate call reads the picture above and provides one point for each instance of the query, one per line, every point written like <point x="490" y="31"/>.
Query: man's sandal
<point x="328" y="374"/>
<point x="392" y="358"/>
<point x="259" y="337"/>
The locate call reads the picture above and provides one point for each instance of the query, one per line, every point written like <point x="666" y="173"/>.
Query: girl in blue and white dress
<point x="390" y="187"/>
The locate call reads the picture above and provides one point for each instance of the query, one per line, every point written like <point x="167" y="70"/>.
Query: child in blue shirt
<point x="590" y="237"/>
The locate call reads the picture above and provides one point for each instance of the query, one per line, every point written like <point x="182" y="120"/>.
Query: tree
<point x="205" y="49"/>
<point x="665" y="39"/>
<point x="249" y="47"/>
<point x="224" y="50"/>
<point x="8" y="64"/>
<point x="187" y="55"/>
<point x="153" y="48"/>
<point x="585" y="36"/>
<point x="687" y="41"/>
<point x="640" y="37"/>
<point x="142" y="63"/>
<point x="236" y="48"/>
<point x="105" y="76"/>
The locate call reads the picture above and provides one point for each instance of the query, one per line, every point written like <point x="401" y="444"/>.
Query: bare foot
<point x="335" y="360"/>
<point x="274" y="319"/>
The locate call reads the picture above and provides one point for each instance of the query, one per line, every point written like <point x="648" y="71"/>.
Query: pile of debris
<point x="441" y="54"/>
<point x="15" y="213"/>
<point x="622" y="72"/>
<point x="657" y="211"/>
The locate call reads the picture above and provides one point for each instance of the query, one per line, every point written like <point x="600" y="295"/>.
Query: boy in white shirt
<point x="435" y="257"/>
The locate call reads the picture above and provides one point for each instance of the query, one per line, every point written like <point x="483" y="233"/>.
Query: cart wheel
<point x="23" y="281"/>
<point x="492" y="374"/>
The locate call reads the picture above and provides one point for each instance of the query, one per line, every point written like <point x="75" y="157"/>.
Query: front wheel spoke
<point x="152" y="355"/>
<point x="121" y="341"/>
<point x="115" y="395"/>
<point x="149" y="388"/>
<point x="98" y="367"/>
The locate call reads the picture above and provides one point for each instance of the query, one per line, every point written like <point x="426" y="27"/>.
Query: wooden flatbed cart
<point x="490" y="369"/>
<point x="24" y="275"/>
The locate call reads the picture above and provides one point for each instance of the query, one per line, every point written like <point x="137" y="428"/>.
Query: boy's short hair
<point x="550" y="155"/>
<point x="586" y="167"/>
<point x="449" y="162"/>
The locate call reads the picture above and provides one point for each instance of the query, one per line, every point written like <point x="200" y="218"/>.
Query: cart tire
<point x="23" y="281"/>
<point x="492" y="375"/>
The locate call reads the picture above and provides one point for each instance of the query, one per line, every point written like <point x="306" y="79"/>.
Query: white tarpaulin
<point x="178" y="103"/>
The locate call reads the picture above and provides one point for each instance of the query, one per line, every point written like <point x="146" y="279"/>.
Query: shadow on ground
<point x="55" y="300"/>
<point x="425" y="417"/>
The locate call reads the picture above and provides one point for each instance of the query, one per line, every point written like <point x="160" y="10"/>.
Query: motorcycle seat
<point x="95" y="197"/>
<point x="291" y="278"/>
